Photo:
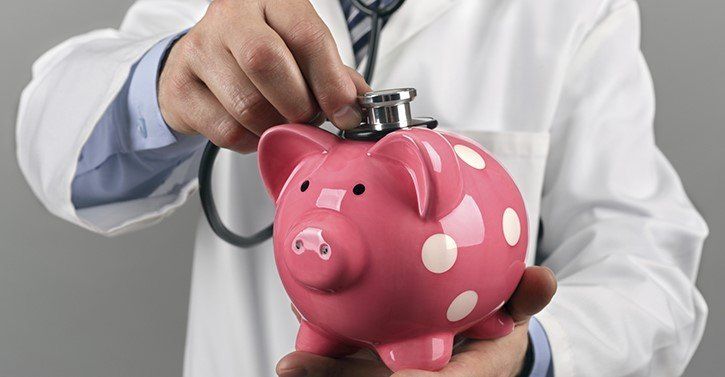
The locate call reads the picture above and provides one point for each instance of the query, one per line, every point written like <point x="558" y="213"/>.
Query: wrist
<point x="147" y="126"/>
<point x="167" y="89"/>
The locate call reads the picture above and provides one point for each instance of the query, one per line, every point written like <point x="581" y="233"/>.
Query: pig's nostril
<point x="298" y="245"/>
<point x="324" y="249"/>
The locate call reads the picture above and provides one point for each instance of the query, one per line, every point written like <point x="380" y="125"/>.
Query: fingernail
<point x="295" y="372"/>
<point x="347" y="117"/>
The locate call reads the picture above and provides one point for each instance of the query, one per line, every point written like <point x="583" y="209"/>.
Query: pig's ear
<point x="431" y="163"/>
<point x="282" y="148"/>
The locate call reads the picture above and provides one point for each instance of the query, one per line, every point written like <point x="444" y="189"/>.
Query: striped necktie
<point x="359" y="25"/>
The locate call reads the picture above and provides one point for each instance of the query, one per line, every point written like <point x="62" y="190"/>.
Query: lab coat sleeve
<point x="72" y="86"/>
<point x="619" y="231"/>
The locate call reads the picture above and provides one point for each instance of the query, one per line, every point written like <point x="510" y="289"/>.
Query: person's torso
<point x="491" y="70"/>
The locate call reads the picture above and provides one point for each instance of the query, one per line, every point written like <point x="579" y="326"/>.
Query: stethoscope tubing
<point x="377" y="16"/>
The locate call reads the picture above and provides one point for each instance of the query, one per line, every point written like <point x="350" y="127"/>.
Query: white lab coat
<point x="557" y="90"/>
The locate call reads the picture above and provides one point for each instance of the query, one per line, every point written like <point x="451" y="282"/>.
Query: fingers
<point x="315" y="51"/>
<point x="418" y="373"/>
<point x="298" y="364"/>
<point x="361" y="86"/>
<point x="264" y="58"/>
<point x="270" y="66"/>
<point x="203" y="113"/>
<point x="236" y="92"/>
<point x="250" y="65"/>
<point x="483" y="358"/>
<point x="534" y="292"/>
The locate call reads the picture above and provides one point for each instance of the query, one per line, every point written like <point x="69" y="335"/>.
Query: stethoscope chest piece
<point x="386" y="111"/>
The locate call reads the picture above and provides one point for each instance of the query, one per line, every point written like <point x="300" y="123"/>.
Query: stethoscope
<point x="378" y="16"/>
<point x="385" y="111"/>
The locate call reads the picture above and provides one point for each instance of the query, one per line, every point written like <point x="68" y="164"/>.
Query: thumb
<point x="534" y="292"/>
<point x="361" y="85"/>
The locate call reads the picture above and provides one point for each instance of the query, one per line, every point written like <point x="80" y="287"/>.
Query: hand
<point x="249" y="65"/>
<point x="473" y="358"/>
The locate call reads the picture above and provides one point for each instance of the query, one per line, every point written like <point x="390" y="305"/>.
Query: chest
<point x="477" y="65"/>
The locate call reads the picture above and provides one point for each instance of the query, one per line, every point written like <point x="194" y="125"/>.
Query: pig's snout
<point x="310" y="240"/>
<point x="325" y="255"/>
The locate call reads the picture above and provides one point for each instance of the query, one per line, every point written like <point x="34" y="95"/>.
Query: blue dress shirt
<point x="132" y="151"/>
<point x="542" y="364"/>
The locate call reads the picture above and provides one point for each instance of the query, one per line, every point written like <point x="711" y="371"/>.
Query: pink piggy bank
<point x="396" y="245"/>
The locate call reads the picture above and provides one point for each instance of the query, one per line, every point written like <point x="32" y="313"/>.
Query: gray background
<point x="75" y="304"/>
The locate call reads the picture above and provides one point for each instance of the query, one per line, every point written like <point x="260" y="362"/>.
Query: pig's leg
<point x="497" y="325"/>
<point x="429" y="352"/>
<point x="312" y="340"/>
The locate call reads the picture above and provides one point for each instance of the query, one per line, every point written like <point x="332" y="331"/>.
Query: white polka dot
<point x="439" y="253"/>
<point x="511" y="226"/>
<point x="470" y="156"/>
<point x="462" y="306"/>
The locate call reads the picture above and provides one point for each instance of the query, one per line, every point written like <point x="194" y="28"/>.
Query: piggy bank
<point x="396" y="245"/>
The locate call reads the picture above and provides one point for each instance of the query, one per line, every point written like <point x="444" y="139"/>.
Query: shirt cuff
<point x="542" y="365"/>
<point x="149" y="129"/>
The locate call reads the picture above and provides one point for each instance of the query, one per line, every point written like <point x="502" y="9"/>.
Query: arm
<point x="132" y="141"/>
<point x="619" y="230"/>
<point x="244" y="66"/>
<point x="73" y="85"/>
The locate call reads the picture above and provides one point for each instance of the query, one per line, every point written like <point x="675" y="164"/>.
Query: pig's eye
<point x="304" y="186"/>
<point x="359" y="189"/>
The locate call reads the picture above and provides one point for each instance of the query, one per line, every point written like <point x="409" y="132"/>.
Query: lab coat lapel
<point x="332" y="14"/>
<point x="410" y="19"/>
